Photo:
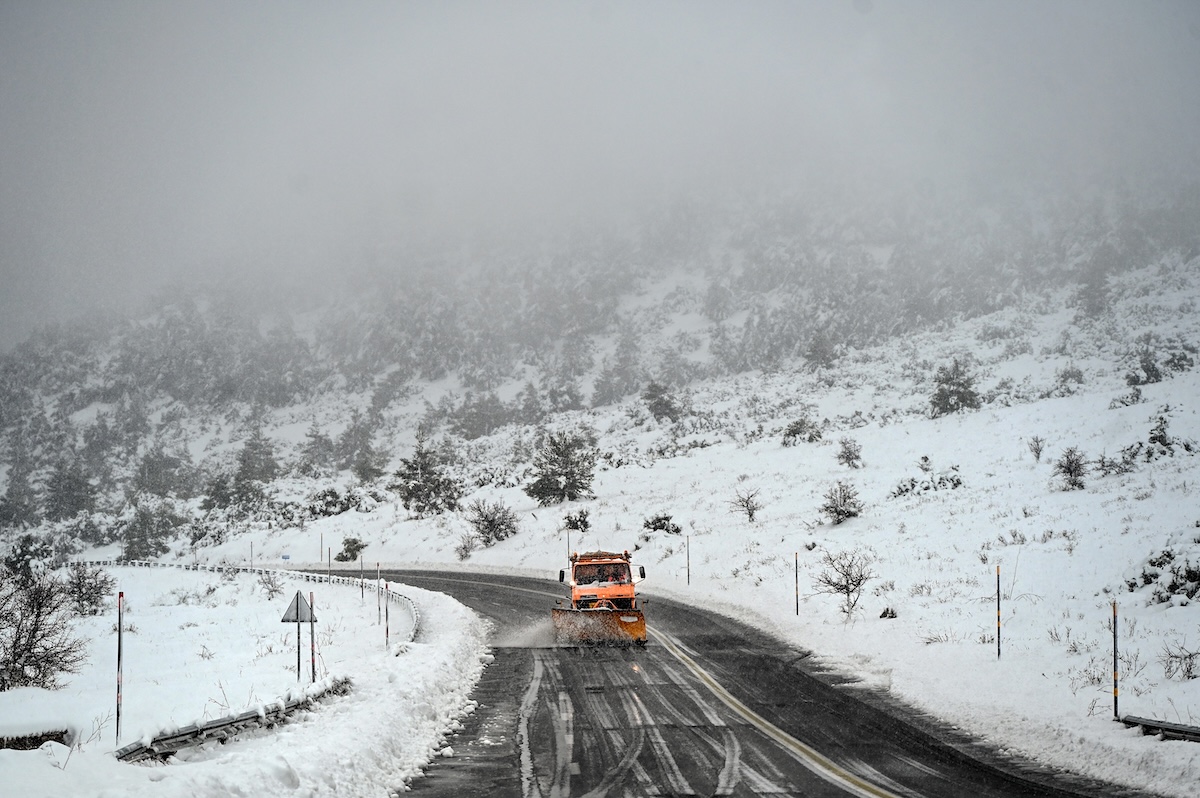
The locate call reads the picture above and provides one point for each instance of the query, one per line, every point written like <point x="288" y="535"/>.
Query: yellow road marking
<point x="806" y="755"/>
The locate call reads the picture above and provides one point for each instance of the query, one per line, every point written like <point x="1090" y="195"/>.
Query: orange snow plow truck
<point x="604" y="608"/>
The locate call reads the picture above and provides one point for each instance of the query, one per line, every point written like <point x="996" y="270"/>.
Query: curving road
<point x="709" y="707"/>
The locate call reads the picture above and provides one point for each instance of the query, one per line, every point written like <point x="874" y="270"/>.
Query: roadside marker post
<point x="797" y="584"/>
<point x="1116" y="691"/>
<point x="120" y="640"/>
<point x="997" y="612"/>
<point x="312" y="638"/>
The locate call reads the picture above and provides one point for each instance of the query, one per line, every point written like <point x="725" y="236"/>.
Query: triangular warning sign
<point x="299" y="611"/>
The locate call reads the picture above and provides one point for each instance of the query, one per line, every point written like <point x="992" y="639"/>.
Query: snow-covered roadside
<point x="205" y="646"/>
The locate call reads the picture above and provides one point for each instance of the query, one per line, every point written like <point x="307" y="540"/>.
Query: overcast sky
<point x="144" y="142"/>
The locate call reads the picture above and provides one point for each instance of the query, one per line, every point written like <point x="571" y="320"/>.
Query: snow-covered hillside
<point x="1063" y="555"/>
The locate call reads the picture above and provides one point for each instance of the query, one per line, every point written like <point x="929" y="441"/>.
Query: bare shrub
<point x="841" y="503"/>
<point x="1037" y="445"/>
<point x="89" y="588"/>
<point x="746" y="501"/>
<point x="845" y="574"/>
<point x="1179" y="661"/>
<point x="466" y="545"/>
<point x="37" y="645"/>
<point x="271" y="584"/>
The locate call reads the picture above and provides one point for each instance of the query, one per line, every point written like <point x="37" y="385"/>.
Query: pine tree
<point x="68" y="491"/>
<point x="256" y="460"/>
<point x="563" y="470"/>
<point x="317" y="452"/>
<point x="660" y="403"/>
<point x="19" y="504"/>
<point x="423" y="483"/>
<point x="162" y="474"/>
<point x="955" y="390"/>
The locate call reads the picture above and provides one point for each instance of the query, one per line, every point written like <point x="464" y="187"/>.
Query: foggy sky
<point x="147" y="142"/>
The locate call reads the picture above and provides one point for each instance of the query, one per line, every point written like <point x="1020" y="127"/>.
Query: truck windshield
<point x="609" y="572"/>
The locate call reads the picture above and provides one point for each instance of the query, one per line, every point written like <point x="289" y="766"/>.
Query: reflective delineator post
<point x="687" y="545"/>
<point x="120" y="629"/>
<point x="387" y="616"/>
<point x="797" y="584"/>
<point x="299" y="645"/>
<point x="362" y="582"/>
<point x="312" y="638"/>
<point x="1116" y="714"/>
<point x="378" y="598"/>
<point x="997" y="612"/>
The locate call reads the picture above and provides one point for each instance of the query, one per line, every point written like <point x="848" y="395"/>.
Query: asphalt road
<point x="708" y="707"/>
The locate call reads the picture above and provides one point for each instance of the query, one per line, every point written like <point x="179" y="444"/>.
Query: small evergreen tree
<point x="955" y="390"/>
<point x="1071" y="466"/>
<point x="218" y="493"/>
<point x="256" y="460"/>
<point x="351" y="548"/>
<point x="29" y="556"/>
<point x="660" y="403"/>
<point x="162" y="474"/>
<point x="423" y="483"/>
<point x="841" y="503"/>
<point x="317" y="453"/>
<point x="19" y="504"/>
<point x="492" y="521"/>
<point x="145" y="534"/>
<point x="563" y="469"/>
<point x="68" y="491"/>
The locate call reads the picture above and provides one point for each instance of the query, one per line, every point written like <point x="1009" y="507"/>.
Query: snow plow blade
<point x="599" y="627"/>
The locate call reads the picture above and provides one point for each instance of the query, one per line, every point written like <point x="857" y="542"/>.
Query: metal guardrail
<point x="223" y="728"/>
<point x="1164" y="729"/>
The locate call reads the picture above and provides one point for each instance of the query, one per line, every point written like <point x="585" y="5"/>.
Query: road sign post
<point x="297" y="612"/>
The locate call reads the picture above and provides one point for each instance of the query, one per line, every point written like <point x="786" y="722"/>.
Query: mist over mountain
<point x="292" y="148"/>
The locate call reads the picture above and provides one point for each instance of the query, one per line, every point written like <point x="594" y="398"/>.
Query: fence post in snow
<point x="797" y="584"/>
<point x="312" y="638"/>
<point x="997" y="612"/>
<point x="120" y="631"/>
<point x="1116" y="714"/>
